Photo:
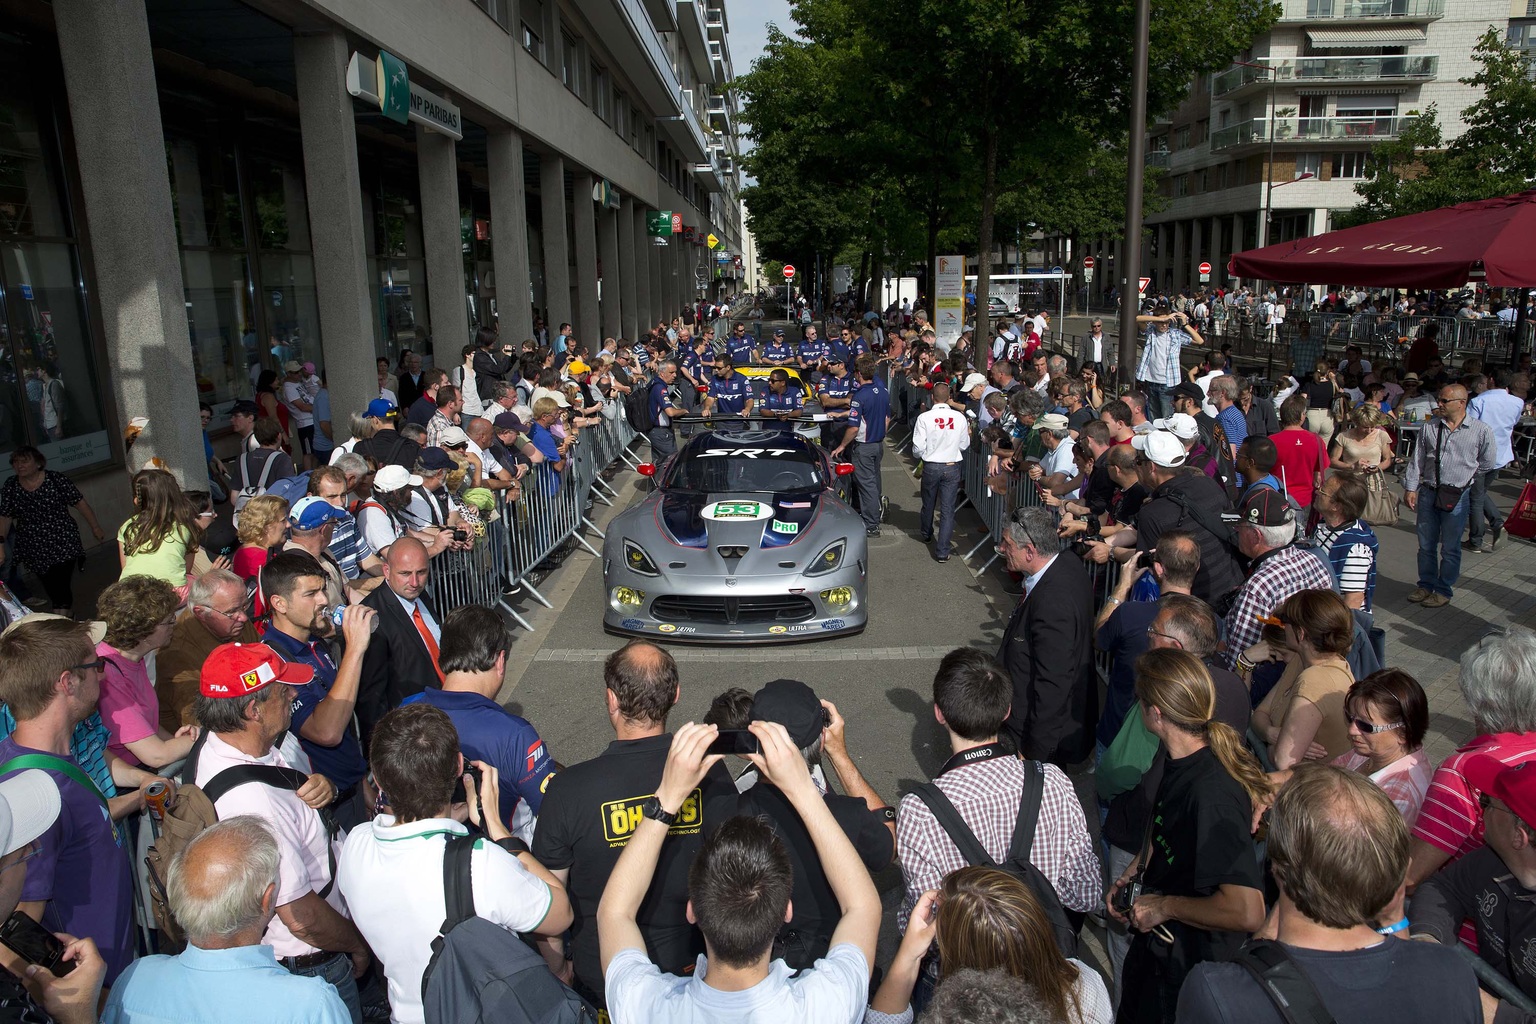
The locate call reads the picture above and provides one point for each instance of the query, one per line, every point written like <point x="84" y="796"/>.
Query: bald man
<point x="402" y="658"/>
<point x="494" y="474"/>
<point x="223" y="888"/>
<point x="1452" y="450"/>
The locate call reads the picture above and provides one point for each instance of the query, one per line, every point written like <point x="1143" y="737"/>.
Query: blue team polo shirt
<point x="659" y="404"/>
<point x="777" y="351"/>
<point x="490" y="733"/>
<point x="811" y="352"/>
<point x="835" y="346"/>
<point x="789" y="401"/>
<point x="731" y="394"/>
<point x="836" y="387"/>
<point x="868" y="411"/>
<point x="343" y="764"/>
<point x="740" y="349"/>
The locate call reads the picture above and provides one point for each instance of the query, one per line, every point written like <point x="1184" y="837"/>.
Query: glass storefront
<point x="50" y="393"/>
<point x="397" y="265"/>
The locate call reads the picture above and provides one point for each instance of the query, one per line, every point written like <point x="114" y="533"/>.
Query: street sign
<point x="677" y="223"/>
<point x="1087" y="262"/>
<point x="1205" y="268"/>
<point x="789" y="271"/>
<point x="26" y="292"/>
<point x="386" y="84"/>
<point x="1055" y="270"/>
<point x="1141" y="288"/>
<point x="712" y="240"/>
<point x="1087" y="275"/>
<point x="1205" y="273"/>
<point x="658" y="223"/>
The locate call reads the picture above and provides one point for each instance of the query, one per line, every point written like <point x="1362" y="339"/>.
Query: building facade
<point x="191" y="194"/>
<point x="1287" y="128"/>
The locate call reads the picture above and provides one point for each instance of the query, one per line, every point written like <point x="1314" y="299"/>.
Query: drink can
<point x="155" y="796"/>
<point x="338" y="611"/>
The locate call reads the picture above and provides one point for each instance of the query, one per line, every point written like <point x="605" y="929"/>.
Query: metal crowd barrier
<point x="525" y="534"/>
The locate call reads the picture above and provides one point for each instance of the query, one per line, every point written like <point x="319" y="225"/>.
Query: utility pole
<point x="1130" y="263"/>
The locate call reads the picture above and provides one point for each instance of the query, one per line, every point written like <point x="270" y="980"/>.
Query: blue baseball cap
<point x="380" y="408"/>
<point x="313" y="512"/>
<point x="778" y="332"/>
<point x="434" y="459"/>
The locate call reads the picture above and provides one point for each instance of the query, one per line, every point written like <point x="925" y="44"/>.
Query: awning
<point x="1374" y="89"/>
<point x="1339" y="38"/>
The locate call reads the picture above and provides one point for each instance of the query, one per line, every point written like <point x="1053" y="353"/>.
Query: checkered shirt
<point x="1160" y="356"/>
<point x="1285" y="572"/>
<point x="987" y="795"/>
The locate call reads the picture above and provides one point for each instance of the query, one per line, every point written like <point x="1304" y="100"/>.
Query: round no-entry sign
<point x="1205" y="268"/>
<point x="1087" y="262"/>
<point x="789" y="271"/>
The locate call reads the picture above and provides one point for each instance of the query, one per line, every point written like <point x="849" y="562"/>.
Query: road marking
<point x="816" y="653"/>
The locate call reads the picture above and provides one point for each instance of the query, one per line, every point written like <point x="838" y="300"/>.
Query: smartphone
<point x="35" y="944"/>
<point x="734" y="741"/>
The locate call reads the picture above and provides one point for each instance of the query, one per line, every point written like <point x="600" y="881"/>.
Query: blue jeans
<point x="1159" y="404"/>
<point x="1483" y="513"/>
<point x="940" y="484"/>
<point x="337" y="971"/>
<point x="1440" y="541"/>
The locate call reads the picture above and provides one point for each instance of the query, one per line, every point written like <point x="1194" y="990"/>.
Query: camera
<point x="460" y="794"/>
<point x="461" y="535"/>
<point x="1144" y="560"/>
<point x="1126" y="896"/>
<point x="1080" y="548"/>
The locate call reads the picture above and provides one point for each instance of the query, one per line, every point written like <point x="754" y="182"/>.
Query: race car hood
<point x="696" y="520"/>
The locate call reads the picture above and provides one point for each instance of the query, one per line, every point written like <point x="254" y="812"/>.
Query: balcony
<point x="1367" y="11"/>
<point x="1414" y="67"/>
<point x="690" y="22"/>
<point x="1157" y="158"/>
<point x="714" y="22"/>
<point x="626" y="28"/>
<point x="1352" y="130"/>
<point x="687" y="131"/>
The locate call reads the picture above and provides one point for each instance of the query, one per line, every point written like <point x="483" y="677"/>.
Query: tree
<point x="1495" y="156"/>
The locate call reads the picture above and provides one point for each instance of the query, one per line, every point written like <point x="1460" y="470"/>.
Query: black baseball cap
<point x="778" y="332"/>
<point x="244" y="407"/>
<point x="1187" y="389"/>
<point x="509" y="421"/>
<point x="1265" y="506"/>
<point x="793" y="705"/>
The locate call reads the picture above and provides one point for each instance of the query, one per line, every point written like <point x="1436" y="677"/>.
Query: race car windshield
<point x="724" y="468"/>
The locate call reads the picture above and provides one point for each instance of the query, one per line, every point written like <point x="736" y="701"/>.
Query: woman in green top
<point x="159" y="539"/>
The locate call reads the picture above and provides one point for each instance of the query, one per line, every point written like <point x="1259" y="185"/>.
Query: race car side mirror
<point x="844" y="469"/>
<point x="647" y="468"/>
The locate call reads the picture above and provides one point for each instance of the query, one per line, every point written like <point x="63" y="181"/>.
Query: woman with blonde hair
<point x="1364" y="445"/>
<point x="1194" y="892"/>
<point x="985" y="919"/>
<point x="263" y="526"/>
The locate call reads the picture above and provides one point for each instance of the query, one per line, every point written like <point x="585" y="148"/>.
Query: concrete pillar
<point x="584" y="226"/>
<point x="629" y="267"/>
<point x="640" y="250"/>
<point x="557" y="257"/>
<point x="1196" y="246"/>
<point x="334" y="192"/>
<point x="1238" y="245"/>
<point x="509" y="232"/>
<point x="1179" y="263"/>
<point x="437" y="168"/>
<point x="660" y="263"/>
<point x="104" y="45"/>
<point x="613" y="276"/>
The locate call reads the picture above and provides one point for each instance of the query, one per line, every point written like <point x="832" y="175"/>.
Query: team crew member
<point x="853" y="341"/>
<point x="835" y="391"/>
<point x="693" y="364"/>
<point x="940" y="437"/>
<point x="739" y="346"/>
<point x="777" y="352"/>
<point x="809" y="355"/>
<point x="868" y="420"/>
<point x="782" y="403"/>
<point x="730" y="393"/>
<point x="665" y="404"/>
<point x="833" y="347"/>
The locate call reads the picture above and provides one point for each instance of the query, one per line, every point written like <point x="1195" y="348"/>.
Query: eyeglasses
<point x="237" y="613"/>
<point x="1486" y="803"/>
<point x="100" y="665"/>
<point x="1370" y="728"/>
<point x="1151" y="631"/>
<point x="32" y="848"/>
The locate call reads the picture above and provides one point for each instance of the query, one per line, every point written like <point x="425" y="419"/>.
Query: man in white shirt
<point x="1095" y="353"/>
<point x="939" y="438"/>
<point x="1501" y="411"/>
<point x="738" y="889"/>
<point x="391" y="869"/>
<point x="1055" y="469"/>
<point x="244" y="704"/>
<point x="301" y="409"/>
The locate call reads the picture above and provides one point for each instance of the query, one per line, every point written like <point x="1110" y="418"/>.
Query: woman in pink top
<point x="140" y="612"/>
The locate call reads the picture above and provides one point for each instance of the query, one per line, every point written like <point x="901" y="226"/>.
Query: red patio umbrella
<point x="1491" y="238"/>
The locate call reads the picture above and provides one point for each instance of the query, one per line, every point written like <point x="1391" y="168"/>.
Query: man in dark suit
<point x="403" y="658"/>
<point x="1048" y="646"/>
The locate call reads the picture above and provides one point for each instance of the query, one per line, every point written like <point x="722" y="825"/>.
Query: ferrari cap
<point x="236" y="670"/>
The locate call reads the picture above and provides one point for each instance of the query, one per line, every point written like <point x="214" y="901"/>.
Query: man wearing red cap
<point x="245" y="702"/>
<point x="1493" y="886"/>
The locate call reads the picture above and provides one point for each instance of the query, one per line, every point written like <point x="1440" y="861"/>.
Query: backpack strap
<point x="458" y="897"/>
<point x="1029" y="812"/>
<point x="277" y="777"/>
<point x="954" y="826"/>
<point x="51" y="763"/>
<point x="1284" y="982"/>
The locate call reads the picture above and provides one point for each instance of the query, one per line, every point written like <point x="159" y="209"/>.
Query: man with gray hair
<point x="222" y="888"/>
<point x="665" y="402"/>
<point x="1223" y="393"/>
<point x="217" y="613"/>
<point x="1266" y="525"/>
<point x="1047" y="647"/>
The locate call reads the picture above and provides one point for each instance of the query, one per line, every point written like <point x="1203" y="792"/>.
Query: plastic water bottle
<point x="340" y="609"/>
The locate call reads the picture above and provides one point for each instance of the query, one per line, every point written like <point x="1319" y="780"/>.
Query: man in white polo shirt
<point x="244" y="703"/>
<point x="391" y="870"/>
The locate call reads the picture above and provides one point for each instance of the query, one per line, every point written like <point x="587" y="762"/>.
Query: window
<point x="1221" y="176"/>
<point x="570" y="70"/>
<point x="1204" y="180"/>
<point x="533" y="42"/>
<point x="1181" y="137"/>
<point x="1309" y="163"/>
<point x="650" y="140"/>
<point x="1349" y="165"/>
<point x="1202" y="130"/>
<point x="634" y="129"/>
<point x="620" y="110"/>
<point x="599" y="91"/>
<point x="500" y="10"/>
<point x="1181" y="185"/>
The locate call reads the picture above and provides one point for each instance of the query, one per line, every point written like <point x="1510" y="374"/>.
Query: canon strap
<point x="974" y="755"/>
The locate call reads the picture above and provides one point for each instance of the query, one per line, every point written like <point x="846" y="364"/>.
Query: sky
<point x="748" y="31"/>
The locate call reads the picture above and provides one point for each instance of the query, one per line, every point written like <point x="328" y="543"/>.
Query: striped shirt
<point x="1451" y="819"/>
<point x="1405" y="781"/>
<point x="1352" y="550"/>
<point x="1160" y="357"/>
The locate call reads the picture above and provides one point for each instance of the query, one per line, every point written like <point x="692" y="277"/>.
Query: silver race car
<point x="744" y="540"/>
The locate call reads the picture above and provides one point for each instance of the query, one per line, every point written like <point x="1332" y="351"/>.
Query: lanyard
<point x="985" y="752"/>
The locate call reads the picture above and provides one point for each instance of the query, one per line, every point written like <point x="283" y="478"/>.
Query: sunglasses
<point x="1370" y="728"/>
<point x="100" y="665"/>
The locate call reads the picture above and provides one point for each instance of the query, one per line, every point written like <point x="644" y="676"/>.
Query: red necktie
<point x="427" y="638"/>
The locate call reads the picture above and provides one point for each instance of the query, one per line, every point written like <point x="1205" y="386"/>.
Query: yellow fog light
<point x="628" y="597"/>
<point x="837" y="597"/>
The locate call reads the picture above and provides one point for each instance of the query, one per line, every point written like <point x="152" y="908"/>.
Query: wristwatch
<point x="652" y="809"/>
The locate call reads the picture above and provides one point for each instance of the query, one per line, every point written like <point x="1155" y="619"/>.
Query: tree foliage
<point x="1495" y="156"/>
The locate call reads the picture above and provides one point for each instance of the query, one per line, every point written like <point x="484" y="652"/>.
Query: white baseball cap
<point x="95" y="627"/>
<point x="29" y="805"/>
<point x="973" y="380"/>
<point x="392" y="478"/>
<point x="1162" y="448"/>
<point x="1181" y="425"/>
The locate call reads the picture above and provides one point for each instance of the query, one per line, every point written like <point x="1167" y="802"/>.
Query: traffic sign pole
<point x="1205" y="273"/>
<point x="789" y="275"/>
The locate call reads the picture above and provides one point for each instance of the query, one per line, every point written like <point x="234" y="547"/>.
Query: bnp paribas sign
<point x="386" y="83"/>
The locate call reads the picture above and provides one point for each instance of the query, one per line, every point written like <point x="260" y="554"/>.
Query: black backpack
<point x="1284" y="982"/>
<point x="1018" y="863"/>
<point x="480" y="972"/>
<point x="637" y="406"/>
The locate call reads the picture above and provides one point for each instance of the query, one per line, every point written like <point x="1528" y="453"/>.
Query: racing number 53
<point x="736" y="508"/>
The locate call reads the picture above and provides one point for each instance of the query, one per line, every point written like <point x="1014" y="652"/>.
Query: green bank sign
<point x="386" y="83"/>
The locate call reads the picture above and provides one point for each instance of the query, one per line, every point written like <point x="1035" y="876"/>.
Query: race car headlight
<point x="837" y="597"/>
<point x="626" y="597"/>
<point x="637" y="561"/>
<point x="830" y="559"/>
